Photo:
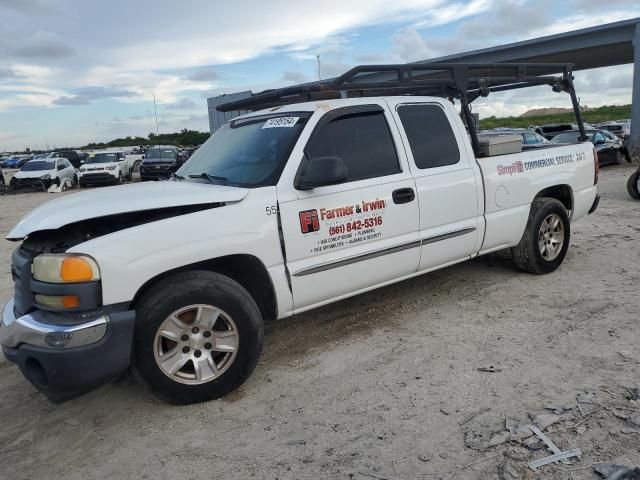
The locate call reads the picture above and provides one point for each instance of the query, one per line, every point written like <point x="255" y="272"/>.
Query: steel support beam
<point x="634" y="140"/>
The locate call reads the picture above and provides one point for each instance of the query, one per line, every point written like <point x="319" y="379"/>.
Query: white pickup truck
<point x="281" y="211"/>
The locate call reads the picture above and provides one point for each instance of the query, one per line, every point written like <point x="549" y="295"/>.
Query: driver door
<point x="346" y="238"/>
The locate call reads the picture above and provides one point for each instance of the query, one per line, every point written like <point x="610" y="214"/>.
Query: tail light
<point x="596" y="164"/>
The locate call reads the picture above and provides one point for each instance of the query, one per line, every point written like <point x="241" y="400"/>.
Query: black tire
<point x="632" y="185"/>
<point x="621" y="158"/>
<point x="119" y="181"/>
<point x="196" y="288"/>
<point x="74" y="182"/>
<point x="527" y="255"/>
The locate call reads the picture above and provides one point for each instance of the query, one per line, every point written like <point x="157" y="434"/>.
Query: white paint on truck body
<point x="338" y="240"/>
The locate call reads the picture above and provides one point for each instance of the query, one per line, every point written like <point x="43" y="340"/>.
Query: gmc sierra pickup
<point x="282" y="210"/>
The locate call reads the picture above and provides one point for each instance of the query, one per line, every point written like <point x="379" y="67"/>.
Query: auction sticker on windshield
<point x="280" y="122"/>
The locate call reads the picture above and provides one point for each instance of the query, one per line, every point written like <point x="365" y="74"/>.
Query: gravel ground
<point x="384" y="385"/>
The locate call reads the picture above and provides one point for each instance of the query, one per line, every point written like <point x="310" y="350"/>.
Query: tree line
<point x="184" y="137"/>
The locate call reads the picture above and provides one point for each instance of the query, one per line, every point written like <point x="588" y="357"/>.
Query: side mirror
<point x="322" y="171"/>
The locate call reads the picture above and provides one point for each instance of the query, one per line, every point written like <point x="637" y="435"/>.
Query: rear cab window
<point x="430" y="136"/>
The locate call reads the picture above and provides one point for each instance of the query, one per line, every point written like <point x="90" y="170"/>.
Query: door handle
<point x="403" y="195"/>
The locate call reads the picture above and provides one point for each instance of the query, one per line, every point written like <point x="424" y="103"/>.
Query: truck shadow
<point x="290" y="339"/>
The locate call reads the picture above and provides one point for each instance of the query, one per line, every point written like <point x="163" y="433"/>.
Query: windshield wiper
<point x="211" y="178"/>
<point x="176" y="176"/>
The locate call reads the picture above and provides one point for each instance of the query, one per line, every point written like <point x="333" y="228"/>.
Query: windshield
<point x="160" y="153"/>
<point x="36" y="165"/>
<point x="102" y="158"/>
<point x="250" y="152"/>
<point x="569" y="137"/>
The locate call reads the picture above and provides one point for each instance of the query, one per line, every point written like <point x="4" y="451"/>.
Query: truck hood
<point x="122" y="199"/>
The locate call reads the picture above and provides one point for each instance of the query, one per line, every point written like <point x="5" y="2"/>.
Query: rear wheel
<point x="545" y="241"/>
<point x="198" y="337"/>
<point x="633" y="185"/>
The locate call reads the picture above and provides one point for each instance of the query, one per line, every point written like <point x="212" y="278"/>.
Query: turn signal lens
<point x="58" y="302"/>
<point x="65" y="269"/>
<point x="75" y="269"/>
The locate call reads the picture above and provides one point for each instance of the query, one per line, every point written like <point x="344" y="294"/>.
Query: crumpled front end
<point x="63" y="353"/>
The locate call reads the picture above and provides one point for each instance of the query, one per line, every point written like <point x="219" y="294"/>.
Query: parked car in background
<point x="609" y="147"/>
<point x="550" y="130"/>
<point x="620" y="128"/>
<point x="14" y="162"/>
<point x="105" y="168"/>
<point x="3" y="185"/>
<point x="530" y="139"/>
<point x="43" y="173"/>
<point x="70" y="155"/>
<point x="160" y="162"/>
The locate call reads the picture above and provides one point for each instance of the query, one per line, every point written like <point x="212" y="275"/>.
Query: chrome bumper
<point x="47" y="329"/>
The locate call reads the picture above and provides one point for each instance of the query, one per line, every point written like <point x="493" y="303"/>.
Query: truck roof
<point x="329" y="105"/>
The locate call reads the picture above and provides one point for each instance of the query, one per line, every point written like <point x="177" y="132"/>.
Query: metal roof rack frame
<point x="462" y="81"/>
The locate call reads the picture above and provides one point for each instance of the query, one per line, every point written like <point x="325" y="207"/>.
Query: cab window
<point x="363" y="141"/>
<point x="430" y="136"/>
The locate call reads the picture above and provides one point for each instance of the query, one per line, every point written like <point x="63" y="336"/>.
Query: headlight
<point x="111" y="167"/>
<point x="82" y="169"/>
<point x="65" y="269"/>
<point x="45" y="177"/>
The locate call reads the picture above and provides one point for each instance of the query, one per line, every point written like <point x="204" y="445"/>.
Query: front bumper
<point x="64" y="359"/>
<point x="157" y="172"/>
<point x="33" y="183"/>
<point x="103" y="177"/>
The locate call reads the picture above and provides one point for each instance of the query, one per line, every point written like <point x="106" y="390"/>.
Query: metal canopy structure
<point x="602" y="46"/>
<point x="595" y="47"/>
<point x="461" y="81"/>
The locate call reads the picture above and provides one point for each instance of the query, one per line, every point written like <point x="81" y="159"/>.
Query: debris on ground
<point x="489" y="369"/>
<point x="556" y="457"/>
<point x="566" y="420"/>
<point x="611" y="471"/>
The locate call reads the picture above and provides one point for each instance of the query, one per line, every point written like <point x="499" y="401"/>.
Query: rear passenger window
<point x="430" y="136"/>
<point x="362" y="140"/>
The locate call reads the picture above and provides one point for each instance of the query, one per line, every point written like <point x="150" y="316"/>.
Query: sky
<point x="78" y="71"/>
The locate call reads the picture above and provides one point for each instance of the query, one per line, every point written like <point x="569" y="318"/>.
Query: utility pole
<point x="155" y="111"/>
<point x="318" y="59"/>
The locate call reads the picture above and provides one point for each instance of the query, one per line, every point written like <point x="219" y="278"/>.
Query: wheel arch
<point x="563" y="193"/>
<point x="247" y="270"/>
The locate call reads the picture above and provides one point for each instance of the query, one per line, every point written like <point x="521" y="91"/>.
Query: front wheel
<point x="198" y="337"/>
<point x="633" y="185"/>
<point x="545" y="241"/>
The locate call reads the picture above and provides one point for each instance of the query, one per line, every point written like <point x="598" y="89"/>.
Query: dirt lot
<point x="383" y="385"/>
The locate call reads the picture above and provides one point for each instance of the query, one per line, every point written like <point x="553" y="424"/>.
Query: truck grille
<point x="21" y="274"/>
